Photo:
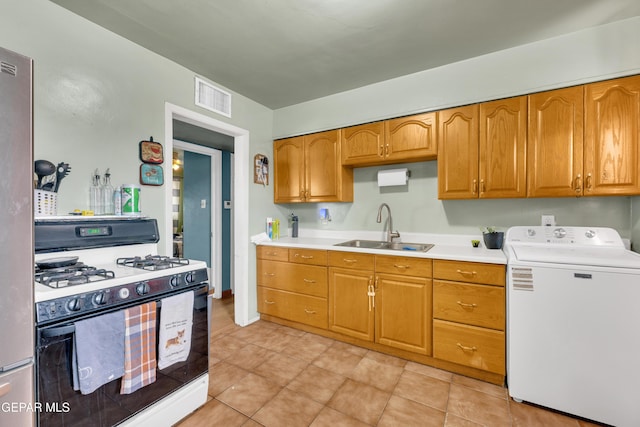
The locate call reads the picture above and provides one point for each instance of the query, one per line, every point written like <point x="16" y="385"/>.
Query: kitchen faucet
<point x="390" y="234"/>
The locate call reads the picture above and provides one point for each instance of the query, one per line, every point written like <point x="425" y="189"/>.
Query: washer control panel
<point x="587" y="236"/>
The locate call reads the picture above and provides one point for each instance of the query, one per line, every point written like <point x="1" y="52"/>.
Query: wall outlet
<point x="548" y="220"/>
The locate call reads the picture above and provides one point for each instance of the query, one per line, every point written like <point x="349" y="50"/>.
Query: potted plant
<point x="492" y="237"/>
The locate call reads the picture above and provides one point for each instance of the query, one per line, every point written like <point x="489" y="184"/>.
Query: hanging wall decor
<point x="151" y="152"/>
<point x="151" y="174"/>
<point x="261" y="169"/>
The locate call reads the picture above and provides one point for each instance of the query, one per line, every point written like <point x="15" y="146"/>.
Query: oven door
<point x="62" y="406"/>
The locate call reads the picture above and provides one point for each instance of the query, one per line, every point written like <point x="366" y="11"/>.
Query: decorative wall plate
<point x="151" y="174"/>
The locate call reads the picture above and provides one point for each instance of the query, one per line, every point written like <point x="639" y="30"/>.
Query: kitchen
<point x="85" y="97"/>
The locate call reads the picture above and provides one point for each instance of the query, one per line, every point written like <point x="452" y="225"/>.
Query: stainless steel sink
<point x="379" y="244"/>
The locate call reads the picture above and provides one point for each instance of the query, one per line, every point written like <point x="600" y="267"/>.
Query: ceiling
<point x="283" y="52"/>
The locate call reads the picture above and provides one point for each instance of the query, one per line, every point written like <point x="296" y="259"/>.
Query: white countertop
<point x="453" y="247"/>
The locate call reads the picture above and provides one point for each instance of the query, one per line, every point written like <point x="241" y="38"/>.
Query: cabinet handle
<point x="587" y="182"/>
<point x="466" y="305"/>
<point x="349" y="260"/>
<point x="482" y="188"/>
<point x="305" y="256"/>
<point x="308" y="281"/>
<point x="302" y="194"/>
<point x="272" y="253"/>
<point x="474" y="189"/>
<point x="306" y="195"/>
<point x="467" y="349"/>
<point x="386" y="150"/>
<point x="466" y="272"/>
<point x="578" y="186"/>
<point x="269" y="302"/>
<point x="381" y="150"/>
<point x="309" y="311"/>
<point x="269" y="274"/>
<point x="371" y="294"/>
<point x="401" y="266"/>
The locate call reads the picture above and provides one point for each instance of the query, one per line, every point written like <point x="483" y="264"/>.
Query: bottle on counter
<point x="117" y="201"/>
<point x="294" y="226"/>
<point x="107" y="195"/>
<point x="95" y="194"/>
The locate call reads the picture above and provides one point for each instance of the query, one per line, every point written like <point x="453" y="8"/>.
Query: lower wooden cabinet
<point x="293" y="306"/>
<point x="351" y="310"/>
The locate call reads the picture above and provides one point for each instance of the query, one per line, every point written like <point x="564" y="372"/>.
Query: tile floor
<point x="270" y="375"/>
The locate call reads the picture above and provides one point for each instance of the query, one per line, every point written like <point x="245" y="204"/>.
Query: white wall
<point x="595" y="54"/>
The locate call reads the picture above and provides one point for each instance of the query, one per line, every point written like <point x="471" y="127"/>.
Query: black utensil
<point x="62" y="170"/>
<point x="43" y="168"/>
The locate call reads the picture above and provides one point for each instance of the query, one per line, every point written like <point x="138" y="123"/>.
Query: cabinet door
<point x="411" y="138"/>
<point x="458" y="153"/>
<point x="323" y="172"/>
<point x="503" y="133"/>
<point x="403" y="312"/>
<point x="612" y="137"/>
<point x="351" y="311"/>
<point x="288" y="170"/>
<point x="363" y="144"/>
<point x="554" y="165"/>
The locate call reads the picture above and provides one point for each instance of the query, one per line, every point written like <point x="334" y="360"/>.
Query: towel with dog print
<point x="139" y="347"/>
<point x="176" y="320"/>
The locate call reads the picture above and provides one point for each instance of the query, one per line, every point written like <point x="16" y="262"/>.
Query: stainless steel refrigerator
<point x="17" y="404"/>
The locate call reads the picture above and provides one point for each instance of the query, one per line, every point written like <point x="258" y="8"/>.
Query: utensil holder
<point x="45" y="203"/>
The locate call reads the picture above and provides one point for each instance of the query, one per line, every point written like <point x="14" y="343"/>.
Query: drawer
<point x="272" y="252"/>
<point x="408" y="266"/>
<point x="460" y="271"/>
<point x="292" y="306"/>
<point x="308" y="256"/>
<point x="300" y="278"/>
<point x="353" y="260"/>
<point x="478" y="305"/>
<point x="469" y="345"/>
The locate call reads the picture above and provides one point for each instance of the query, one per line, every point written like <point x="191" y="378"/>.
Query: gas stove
<point x="107" y="267"/>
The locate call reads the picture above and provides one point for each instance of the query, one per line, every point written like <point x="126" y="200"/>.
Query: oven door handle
<point x="57" y="332"/>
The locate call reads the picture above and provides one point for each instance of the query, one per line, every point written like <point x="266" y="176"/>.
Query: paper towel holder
<point x="393" y="177"/>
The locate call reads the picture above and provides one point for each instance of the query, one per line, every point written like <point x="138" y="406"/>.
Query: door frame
<point x="241" y="162"/>
<point x="215" y="157"/>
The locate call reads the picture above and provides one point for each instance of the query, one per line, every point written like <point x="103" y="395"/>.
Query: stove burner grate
<point x="152" y="262"/>
<point x="76" y="274"/>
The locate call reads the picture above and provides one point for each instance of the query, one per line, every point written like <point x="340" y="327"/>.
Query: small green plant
<point x="488" y="230"/>
<point x="475" y="243"/>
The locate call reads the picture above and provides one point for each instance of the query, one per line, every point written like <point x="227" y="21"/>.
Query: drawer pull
<point x="305" y="256"/>
<point x="401" y="266"/>
<point x="349" y="260"/>
<point x="467" y="349"/>
<point x="269" y="274"/>
<point x="466" y="273"/>
<point x="269" y="302"/>
<point x="466" y="305"/>
<point x="309" y="311"/>
<point x="308" y="281"/>
<point x="272" y="253"/>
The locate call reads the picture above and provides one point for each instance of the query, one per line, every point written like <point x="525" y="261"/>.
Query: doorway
<point x="240" y="197"/>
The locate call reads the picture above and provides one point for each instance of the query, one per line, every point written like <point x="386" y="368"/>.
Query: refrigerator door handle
<point x="5" y="389"/>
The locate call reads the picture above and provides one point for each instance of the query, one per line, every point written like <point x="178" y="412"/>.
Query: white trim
<point x="215" y="262"/>
<point x="240" y="197"/>
<point x="232" y="225"/>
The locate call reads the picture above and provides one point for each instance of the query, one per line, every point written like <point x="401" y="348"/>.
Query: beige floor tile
<point x="306" y="348"/>
<point x="250" y="394"/>
<point x="429" y="371"/>
<point x="331" y="418"/>
<point x="525" y="415"/>
<point x="423" y="389"/>
<point x="385" y="359"/>
<point x="253" y="331"/>
<point x="345" y="347"/>
<point x="456" y="421"/>
<point x="316" y="383"/>
<point x="379" y="375"/>
<point x="491" y="389"/>
<point x="280" y="368"/>
<point x="360" y="401"/>
<point x="250" y="356"/>
<point x="214" y="413"/>
<point x="407" y="413"/>
<point x="225" y="346"/>
<point x="288" y="409"/>
<point x="478" y="407"/>
<point x="250" y="423"/>
<point x="337" y="360"/>
<point x="222" y="376"/>
<point x="275" y="340"/>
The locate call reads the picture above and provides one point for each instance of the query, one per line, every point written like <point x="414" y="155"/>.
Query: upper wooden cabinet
<point x="307" y="169"/>
<point x="612" y="137"/>
<point x="555" y="143"/>
<point x="405" y="139"/>
<point x="458" y="153"/>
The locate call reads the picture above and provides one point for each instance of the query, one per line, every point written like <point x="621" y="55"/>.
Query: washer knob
<point x="74" y="304"/>
<point x="559" y="233"/>
<point x="590" y="234"/>
<point x="142" y="288"/>
<point x="100" y="298"/>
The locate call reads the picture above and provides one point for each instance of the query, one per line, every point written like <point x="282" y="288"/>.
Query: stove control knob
<point x="74" y="304"/>
<point x="175" y="281"/>
<point x="189" y="278"/>
<point x="100" y="298"/>
<point x="123" y="293"/>
<point x="142" y="288"/>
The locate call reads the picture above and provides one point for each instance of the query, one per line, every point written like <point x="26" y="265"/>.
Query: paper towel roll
<point x="391" y="177"/>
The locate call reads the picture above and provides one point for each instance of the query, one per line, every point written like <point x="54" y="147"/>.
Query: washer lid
<point x="588" y="256"/>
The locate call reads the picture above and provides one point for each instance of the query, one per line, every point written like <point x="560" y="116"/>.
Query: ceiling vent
<point x="212" y="98"/>
<point x="5" y="67"/>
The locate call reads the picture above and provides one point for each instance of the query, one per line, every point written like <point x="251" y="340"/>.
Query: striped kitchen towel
<point x="139" y="347"/>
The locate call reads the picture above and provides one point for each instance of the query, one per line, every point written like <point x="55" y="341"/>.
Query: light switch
<point x="203" y="203"/>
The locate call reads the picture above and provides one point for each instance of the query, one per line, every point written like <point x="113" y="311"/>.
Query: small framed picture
<point x="151" y="152"/>
<point x="151" y="174"/>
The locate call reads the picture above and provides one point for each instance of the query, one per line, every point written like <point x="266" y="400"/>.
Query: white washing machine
<point x="573" y="322"/>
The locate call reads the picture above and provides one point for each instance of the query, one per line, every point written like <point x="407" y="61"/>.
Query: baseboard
<point x="227" y="294"/>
